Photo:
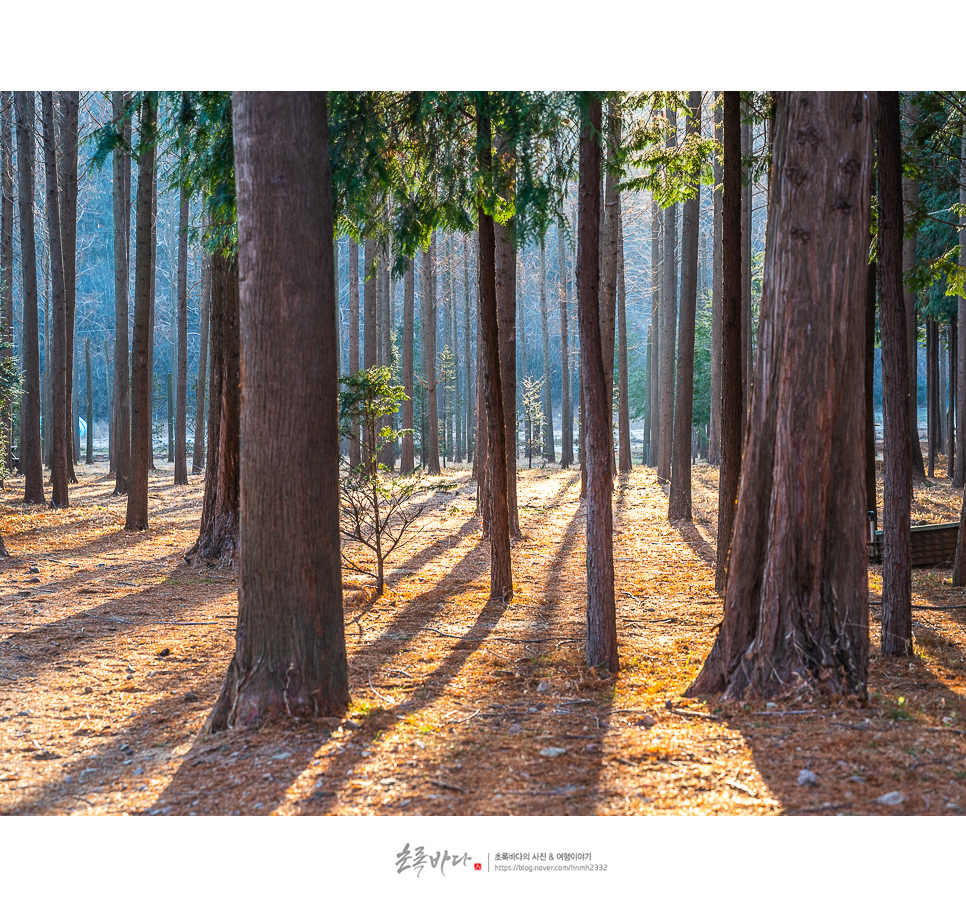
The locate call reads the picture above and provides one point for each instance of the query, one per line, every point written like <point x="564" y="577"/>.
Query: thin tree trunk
<point x="910" y="195"/>
<point x="497" y="476"/>
<point x="427" y="316"/>
<point x="598" y="441"/>
<point x="6" y="260"/>
<point x="871" y="505"/>
<point x="181" y="410"/>
<point x="654" y="335"/>
<point x="60" y="405"/>
<point x="290" y="656"/>
<point x="407" y="461"/>
<point x="960" y="476"/>
<point x="31" y="451"/>
<point x="893" y="315"/>
<point x="932" y="399"/>
<point x="679" y="502"/>
<point x="796" y="610"/>
<point x="89" y="459"/>
<point x="67" y="169"/>
<point x="122" y="370"/>
<point x="952" y="458"/>
<point x="714" y="431"/>
<point x="355" y="453"/>
<point x="625" y="464"/>
<point x="608" y="265"/>
<point x="506" y="303"/>
<point x="109" y="380"/>
<point x="141" y="378"/>
<point x="746" y="253"/>
<point x="467" y="356"/>
<point x="549" y="450"/>
<point x="198" y="453"/>
<point x="566" y="404"/>
<point x="666" y="348"/>
<point x="732" y="396"/>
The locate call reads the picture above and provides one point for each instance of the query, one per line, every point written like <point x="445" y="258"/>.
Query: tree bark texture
<point x="290" y="656"/>
<point x="666" y="347"/>
<point x="624" y="463"/>
<point x="181" y="408"/>
<point x="910" y="196"/>
<point x="608" y="267"/>
<point x="506" y="303"/>
<point x="61" y="408"/>
<point x="67" y="167"/>
<point x="355" y="452"/>
<point x="654" y="335"/>
<point x="122" y="369"/>
<point x="89" y="456"/>
<point x="896" y="400"/>
<point x="732" y="396"/>
<point x="6" y="255"/>
<point x="747" y="189"/>
<point x="714" y="424"/>
<point x="796" y="611"/>
<point x="598" y="441"/>
<point x="497" y="475"/>
<point x="198" y="452"/>
<point x="31" y="451"/>
<point x="679" y="500"/>
<point x="960" y="475"/>
<point x="407" y="459"/>
<point x="566" y="403"/>
<point x="428" y="318"/>
<point x="549" y="449"/>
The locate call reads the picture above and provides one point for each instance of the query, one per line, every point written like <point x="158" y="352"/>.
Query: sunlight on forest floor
<point x="112" y="651"/>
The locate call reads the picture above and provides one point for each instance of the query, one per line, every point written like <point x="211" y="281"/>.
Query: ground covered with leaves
<point x="112" y="652"/>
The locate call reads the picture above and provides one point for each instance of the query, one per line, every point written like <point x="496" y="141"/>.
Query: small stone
<point x="382" y="781"/>
<point x="34" y="580"/>
<point x="646" y="721"/>
<point x="139" y="770"/>
<point x="771" y="705"/>
<point x="892" y="799"/>
<point x="282" y="755"/>
<point x="33" y="569"/>
<point x="129" y="669"/>
<point x="807" y="777"/>
<point x="352" y="725"/>
<point x="514" y="729"/>
<point x="163" y="653"/>
<point x="544" y="686"/>
<point x="190" y="697"/>
<point x="952" y="806"/>
<point x="87" y="690"/>
<point x="553" y="752"/>
<point x="860" y="779"/>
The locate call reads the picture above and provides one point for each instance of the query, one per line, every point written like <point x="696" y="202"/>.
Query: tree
<point x="198" y="453"/>
<point x="31" y="459"/>
<point x="427" y="344"/>
<point x="355" y="456"/>
<point x="6" y="255"/>
<point x="598" y="440"/>
<point x="566" y="407"/>
<point x="732" y="398"/>
<point x="679" y="502"/>
<point x="625" y="465"/>
<point x="714" y="426"/>
<point x="669" y="308"/>
<point x="60" y="422"/>
<point x="898" y="454"/>
<point x="122" y="208"/>
<point x="407" y="458"/>
<point x="181" y="411"/>
<point x="290" y="657"/>
<point x="547" y="407"/>
<point x="141" y="375"/>
<point x="795" y="610"/>
<point x="960" y="474"/>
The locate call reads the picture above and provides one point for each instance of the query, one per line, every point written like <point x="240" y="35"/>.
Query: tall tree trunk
<point x="549" y="449"/>
<point x="932" y="395"/>
<point x="497" y="475"/>
<point x="218" y="538"/>
<point x="952" y="458"/>
<point x="608" y="266"/>
<point x="669" y="309"/>
<point x="61" y="406"/>
<point x="109" y="380"/>
<point x="141" y="376"/>
<point x="896" y="402"/>
<point x="89" y="458"/>
<point x="6" y="259"/>
<point x="181" y="410"/>
<point x="598" y="440"/>
<point x="31" y="451"/>
<point x="566" y="404"/>
<point x="407" y="461"/>
<point x="714" y="424"/>
<point x="796" y="611"/>
<point x="67" y="168"/>
<point x="467" y="356"/>
<point x="355" y="453"/>
<point x="427" y="317"/>
<point x="654" y="335"/>
<point x="960" y="476"/>
<point x="747" y="189"/>
<point x="870" y="480"/>
<point x="732" y="396"/>
<point x="198" y="453"/>
<point x="122" y="370"/>
<point x="679" y="502"/>
<point x="625" y="464"/>
<point x="506" y="303"/>
<point x="290" y="657"/>
<point x="370" y="337"/>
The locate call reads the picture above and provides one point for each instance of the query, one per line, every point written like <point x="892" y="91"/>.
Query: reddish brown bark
<point x="122" y="387"/>
<point x="290" y="657"/>
<point x="181" y="409"/>
<point x="198" y="451"/>
<point x="796" y="611"/>
<point x="407" y="458"/>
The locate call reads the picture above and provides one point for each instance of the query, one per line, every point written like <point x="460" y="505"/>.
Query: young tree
<point x="732" y="398"/>
<point x="796" y="611"/>
<point x="898" y="455"/>
<point x="61" y="407"/>
<point x="31" y="452"/>
<point x="959" y="477"/>
<point x="290" y="657"/>
<point x="505" y="253"/>
<point x="122" y="207"/>
<point x="598" y="440"/>
<point x="679" y="502"/>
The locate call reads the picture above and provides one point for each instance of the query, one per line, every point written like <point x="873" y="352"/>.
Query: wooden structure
<point x="929" y="544"/>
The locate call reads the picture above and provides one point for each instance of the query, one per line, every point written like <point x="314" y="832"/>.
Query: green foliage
<point x="533" y="416"/>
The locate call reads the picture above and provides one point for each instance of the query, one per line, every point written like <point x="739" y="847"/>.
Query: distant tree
<point x="290" y="657"/>
<point x="355" y="456"/>
<point x="198" y="454"/>
<point x="566" y="405"/>
<point x="31" y="458"/>
<point x="407" y="459"/>
<point x="796" y="605"/>
<point x="624" y="462"/>
<point x="181" y="411"/>
<point x="547" y="406"/>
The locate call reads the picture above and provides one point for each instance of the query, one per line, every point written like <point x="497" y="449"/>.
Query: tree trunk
<point x="950" y="387"/>
<point x="355" y="452"/>
<point x="61" y="406"/>
<point x="290" y="656"/>
<point x="608" y="264"/>
<point x="598" y="441"/>
<point x="871" y="505"/>
<point x="427" y="317"/>
<point x="467" y="356"/>
<point x="932" y="396"/>
<point x="796" y="611"/>
<point x="181" y="410"/>
<point x="197" y="456"/>
<point x="122" y="370"/>
<point x="549" y="449"/>
<point x="654" y="334"/>
<point x="960" y="476"/>
<point x="897" y="494"/>
<point x="669" y="308"/>
<point x="910" y="194"/>
<point x="679" y="502"/>
<point x="6" y="259"/>
<point x="747" y="189"/>
<point x="109" y="380"/>
<point x="31" y="452"/>
<point x="714" y="430"/>
<point x="90" y="403"/>
<point x="625" y="465"/>
<point x="369" y="335"/>
<point x="407" y="461"/>
<point x="566" y="404"/>
<point x="506" y="303"/>
<point x="732" y="396"/>
<point x="497" y="476"/>
<point x="141" y="375"/>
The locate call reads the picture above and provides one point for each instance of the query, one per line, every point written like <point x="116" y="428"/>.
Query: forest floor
<point x="112" y="652"/>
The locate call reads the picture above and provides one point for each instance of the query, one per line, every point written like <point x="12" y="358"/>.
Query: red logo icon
<point x="477" y="867"/>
